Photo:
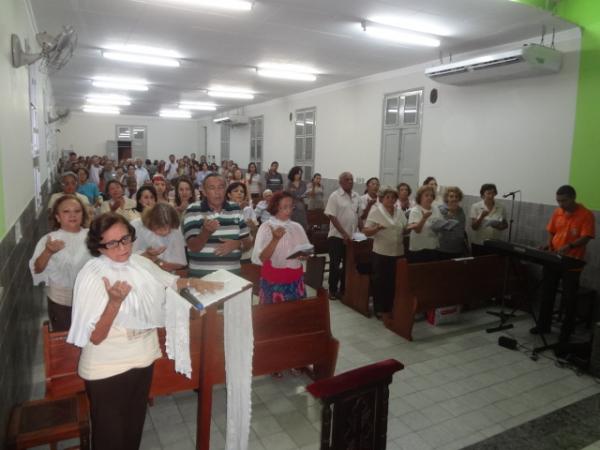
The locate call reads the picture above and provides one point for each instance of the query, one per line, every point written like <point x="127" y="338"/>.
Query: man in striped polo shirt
<point x="215" y="231"/>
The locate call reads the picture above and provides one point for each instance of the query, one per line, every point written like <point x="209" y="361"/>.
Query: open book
<point x="302" y="250"/>
<point x="491" y="222"/>
<point x="233" y="285"/>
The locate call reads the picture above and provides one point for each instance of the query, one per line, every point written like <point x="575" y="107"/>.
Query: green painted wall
<point x="585" y="162"/>
<point x="585" y="159"/>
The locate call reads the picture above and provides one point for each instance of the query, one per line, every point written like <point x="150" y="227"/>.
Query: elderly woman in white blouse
<point x="59" y="255"/>
<point x="119" y="300"/>
<point x="281" y="279"/>
<point x="424" y="240"/>
<point x="386" y="224"/>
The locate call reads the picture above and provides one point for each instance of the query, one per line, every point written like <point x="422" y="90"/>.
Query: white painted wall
<point x="16" y="165"/>
<point x="515" y="133"/>
<point x="87" y="134"/>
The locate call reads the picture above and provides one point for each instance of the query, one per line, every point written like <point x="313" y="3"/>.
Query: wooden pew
<point x="61" y="359"/>
<point x="356" y="290"/>
<point x="317" y="230"/>
<point x="286" y="335"/>
<point x="420" y="287"/>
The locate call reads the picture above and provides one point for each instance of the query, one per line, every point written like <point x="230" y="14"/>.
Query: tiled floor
<point x="458" y="388"/>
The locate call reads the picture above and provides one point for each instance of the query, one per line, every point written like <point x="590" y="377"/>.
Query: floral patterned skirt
<point x="281" y="292"/>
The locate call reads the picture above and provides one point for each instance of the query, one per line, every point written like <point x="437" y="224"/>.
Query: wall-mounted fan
<point x="56" y="50"/>
<point x="60" y="114"/>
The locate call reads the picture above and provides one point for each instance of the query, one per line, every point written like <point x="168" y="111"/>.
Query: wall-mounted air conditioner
<point x="527" y="61"/>
<point x="232" y="119"/>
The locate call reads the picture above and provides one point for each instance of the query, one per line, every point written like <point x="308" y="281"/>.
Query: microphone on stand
<point x="510" y="194"/>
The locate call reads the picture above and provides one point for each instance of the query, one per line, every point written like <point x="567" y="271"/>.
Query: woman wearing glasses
<point x="118" y="302"/>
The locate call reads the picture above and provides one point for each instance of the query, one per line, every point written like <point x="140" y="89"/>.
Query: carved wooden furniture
<point x="318" y="228"/>
<point x="420" y="287"/>
<point x="356" y="289"/>
<point x="355" y="407"/>
<point x="49" y="421"/>
<point x="286" y="335"/>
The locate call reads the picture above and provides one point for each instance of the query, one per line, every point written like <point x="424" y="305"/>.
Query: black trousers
<point x="118" y="409"/>
<point x="59" y="315"/>
<point x="384" y="282"/>
<point x="570" y="287"/>
<point x="337" y="264"/>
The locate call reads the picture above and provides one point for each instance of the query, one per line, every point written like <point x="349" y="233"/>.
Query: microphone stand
<point x="503" y="325"/>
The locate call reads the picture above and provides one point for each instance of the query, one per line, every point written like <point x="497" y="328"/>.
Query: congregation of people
<point x="123" y="232"/>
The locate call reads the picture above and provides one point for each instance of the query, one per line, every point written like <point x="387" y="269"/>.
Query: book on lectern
<point x="232" y="285"/>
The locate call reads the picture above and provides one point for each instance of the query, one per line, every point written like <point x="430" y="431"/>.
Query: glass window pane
<point x="391" y="111"/>
<point x="252" y="128"/>
<point x="308" y="149"/>
<point x="252" y="150"/>
<point x="259" y="128"/>
<point x="411" y="109"/>
<point x="299" y="150"/>
<point x="259" y="144"/>
<point x="309" y="122"/>
<point x="299" y="124"/>
<point x="139" y="133"/>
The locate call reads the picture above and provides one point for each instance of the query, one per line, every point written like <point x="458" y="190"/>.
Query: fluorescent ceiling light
<point x="233" y="5"/>
<point x="101" y="109"/>
<point x="231" y="94"/>
<point x="221" y="119"/>
<point x="176" y="113"/>
<point x="122" y="84"/>
<point x="413" y="24"/>
<point x="296" y="76"/>
<point x="401" y="37"/>
<point x="143" y="50"/>
<point x="108" y="99"/>
<point x="286" y="71"/>
<point x="199" y="106"/>
<point x="141" y="59"/>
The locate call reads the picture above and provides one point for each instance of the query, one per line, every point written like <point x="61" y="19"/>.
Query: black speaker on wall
<point x="433" y="96"/>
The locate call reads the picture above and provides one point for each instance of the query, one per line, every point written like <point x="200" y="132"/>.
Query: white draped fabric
<point x="239" y="349"/>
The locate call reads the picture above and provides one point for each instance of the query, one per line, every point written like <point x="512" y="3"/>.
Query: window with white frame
<point x="35" y="137"/>
<point x="256" y="141"/>
<point x="304" y="148"/>
<point x="225" y="141"/>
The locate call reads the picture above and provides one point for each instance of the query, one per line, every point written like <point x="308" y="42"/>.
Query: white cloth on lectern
<point x="239" y="348"/>
<point x="177" y="339"/>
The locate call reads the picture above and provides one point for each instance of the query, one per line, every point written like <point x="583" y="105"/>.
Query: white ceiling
<point x="223" y="47"/>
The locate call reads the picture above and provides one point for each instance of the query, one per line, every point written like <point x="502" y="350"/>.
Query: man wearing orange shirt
<point x="570" y="228"/>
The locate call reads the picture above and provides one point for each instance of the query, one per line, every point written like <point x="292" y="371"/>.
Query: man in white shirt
<point x="342" y="210"/>
<point x="171" y="168"/>
<point x="141" y="173"/>
<point x="95" y="170"/>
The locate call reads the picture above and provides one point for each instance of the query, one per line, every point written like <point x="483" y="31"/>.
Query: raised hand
<point x="484" y="214"/>
<point x="278" y="232"/>
<point x="153" y="253"/>
<point x="427" y="214"/>
<point x="54" y="246"/>
<point x="211" y="225"/>
<point x="118" y="291"/>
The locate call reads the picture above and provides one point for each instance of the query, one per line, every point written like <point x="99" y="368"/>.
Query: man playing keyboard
<point x="570" y="228"/>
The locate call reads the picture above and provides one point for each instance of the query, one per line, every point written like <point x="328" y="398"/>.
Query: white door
<point x="390" y="158"/>
<point x="401" y="138"/>
<point x="409" y="157"/>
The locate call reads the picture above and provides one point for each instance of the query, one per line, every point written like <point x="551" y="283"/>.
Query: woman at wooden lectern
<point x="118" y="302"/>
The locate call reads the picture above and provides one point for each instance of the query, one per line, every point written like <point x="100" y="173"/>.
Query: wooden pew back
<point x="420" y="287"/>
<point x="356" y="294"/>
